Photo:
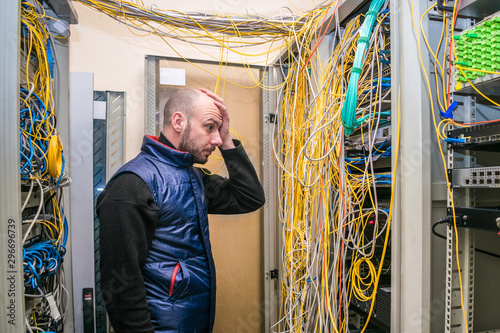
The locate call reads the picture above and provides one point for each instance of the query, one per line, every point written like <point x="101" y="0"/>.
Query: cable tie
<point x="363" y="39"/>
<point x="356" y="70"/>
<point x="371" y="12"/>
<point x="449" y="112"/>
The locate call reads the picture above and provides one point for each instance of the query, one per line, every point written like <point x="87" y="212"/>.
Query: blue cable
<point x="33" y="151"/>
<point x="65" y="238"/>
<point x="374" y="89"/>
<point x="50" y="59"/>
<point x="40" y="260"/>
<point x="452" y="140"/>
<point x="363" y="159"/>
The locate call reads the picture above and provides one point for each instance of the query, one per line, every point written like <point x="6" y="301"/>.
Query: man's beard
<point x="187" y="146"/>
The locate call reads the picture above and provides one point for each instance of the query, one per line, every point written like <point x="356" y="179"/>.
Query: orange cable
<point x="318" y="42"/>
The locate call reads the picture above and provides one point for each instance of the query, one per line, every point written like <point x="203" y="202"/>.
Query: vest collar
<point x="164" y="153"/>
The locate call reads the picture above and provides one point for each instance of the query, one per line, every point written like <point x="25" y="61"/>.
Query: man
<point x="157" y="270"/>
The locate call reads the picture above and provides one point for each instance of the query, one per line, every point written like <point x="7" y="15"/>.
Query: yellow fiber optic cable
<point x="450" y="193"/>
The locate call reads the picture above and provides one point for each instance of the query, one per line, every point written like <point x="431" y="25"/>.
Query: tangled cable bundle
<point x="43" y="175"/>
<point x="335" y="230"/>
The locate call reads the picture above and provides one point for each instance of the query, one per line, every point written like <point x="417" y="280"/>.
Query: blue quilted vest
<point x="179" y="273"/>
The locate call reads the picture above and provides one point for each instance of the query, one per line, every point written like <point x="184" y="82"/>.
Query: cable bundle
<point x="45" y="228"/>
<point x="232" y="33"/>
<point x="41" y="260"/>
<point x="335" y="230"/>
<point x="248" y="25"/>
<point x="349" y="109"/>
<point x="36" y="126"/>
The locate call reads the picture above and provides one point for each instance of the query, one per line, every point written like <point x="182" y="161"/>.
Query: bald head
<point x="192" y="122"/>
<point x="184" y="101"/>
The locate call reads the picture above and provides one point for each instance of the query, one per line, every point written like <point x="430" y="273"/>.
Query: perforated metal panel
<point x="115" y="135"/>
<point x="151" y="79"/>
<point x="270" y="217"/>
<point x="108" y="157"/>
<point x="99" y="183"/>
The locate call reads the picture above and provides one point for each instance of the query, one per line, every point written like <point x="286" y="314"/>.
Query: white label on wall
<point x="172" y="76"/>
<point x="100" y="110"/>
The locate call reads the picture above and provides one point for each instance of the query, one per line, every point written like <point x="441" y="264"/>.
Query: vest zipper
<point x="172" y="282"/>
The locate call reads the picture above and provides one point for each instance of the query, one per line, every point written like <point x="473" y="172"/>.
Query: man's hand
<point x="227" y="142"/>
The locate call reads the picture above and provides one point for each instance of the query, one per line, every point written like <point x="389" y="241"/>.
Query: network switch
<point x="361" y="141"/>
<point x="476" y="177"/>
<point x="478" y="137"/>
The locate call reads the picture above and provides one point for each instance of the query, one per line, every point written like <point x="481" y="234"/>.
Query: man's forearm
<point x="241" y="192"/>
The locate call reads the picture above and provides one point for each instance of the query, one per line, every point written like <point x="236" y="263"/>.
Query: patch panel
<point x="477" y="59"/>
<point x="476" y="177"/>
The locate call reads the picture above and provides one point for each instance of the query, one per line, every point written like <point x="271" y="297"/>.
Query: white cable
<point x="37" y="213"/>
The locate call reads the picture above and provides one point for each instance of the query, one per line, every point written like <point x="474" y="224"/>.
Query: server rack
<point x="411" y="255"/>
<point x="12" y="289"/>
<point x="472" y="157"/>
<point x="418" y="296"/>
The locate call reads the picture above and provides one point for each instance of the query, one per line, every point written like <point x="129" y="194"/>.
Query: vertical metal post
<point x="11" y="258"/>
<point x="449" y="273"/>
<point x="270" y="211"/>
<point x="61" y="81"/>
<point x="82" y="201"/>
<point x="459" y="306"/>
<point x="454" y="315"/>
<point x="411" y="225"/>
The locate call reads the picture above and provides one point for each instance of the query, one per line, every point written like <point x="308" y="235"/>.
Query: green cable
<point x="361" y="120"/>
<point x="348" y="113"/>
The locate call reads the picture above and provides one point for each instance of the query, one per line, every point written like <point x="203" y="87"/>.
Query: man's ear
<point x="178" y="121"/>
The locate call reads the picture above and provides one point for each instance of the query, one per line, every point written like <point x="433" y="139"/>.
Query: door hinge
<point x="272" y="274"/>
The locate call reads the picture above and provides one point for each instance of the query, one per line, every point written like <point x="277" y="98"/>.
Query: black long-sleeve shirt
<point x="128" y="215"/>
